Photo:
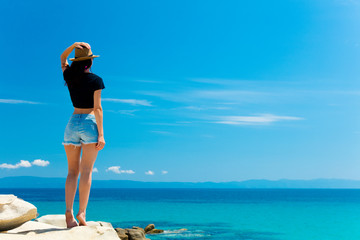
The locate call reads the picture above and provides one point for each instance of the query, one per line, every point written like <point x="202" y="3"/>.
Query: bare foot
<point x="81" y="217"/>
<point x="70" y="220"/>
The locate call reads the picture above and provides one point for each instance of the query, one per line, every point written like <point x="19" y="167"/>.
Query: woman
<point x="84" y="129"/>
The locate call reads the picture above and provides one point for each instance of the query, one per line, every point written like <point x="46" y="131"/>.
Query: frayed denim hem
<point x="88" y="142"/>
<point x="75" y="144"/>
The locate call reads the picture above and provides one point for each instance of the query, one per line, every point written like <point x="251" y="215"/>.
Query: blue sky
<point x="195" y="90"/>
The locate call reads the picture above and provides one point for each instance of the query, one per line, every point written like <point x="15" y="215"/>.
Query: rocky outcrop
<point x="59" y="221"/>
<point x="139" y="228"/>
<point x="121" y="234"/>
<point x="34" y="230"/>
<point x="15" y="224"/>
<point x="14" y="212"/>
<point x="150" y="229"/>
<point x="54" y="219"/>
<point x="155" y="231"/>
<point x="131" y="233"/>
<point x="137" y="233"/>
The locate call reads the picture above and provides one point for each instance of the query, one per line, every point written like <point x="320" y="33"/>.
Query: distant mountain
<point x="39" y="182"/>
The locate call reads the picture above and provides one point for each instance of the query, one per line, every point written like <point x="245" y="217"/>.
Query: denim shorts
<point x="81" y="128"/>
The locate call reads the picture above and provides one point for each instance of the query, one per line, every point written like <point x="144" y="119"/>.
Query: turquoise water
<point x="265" y="214"/>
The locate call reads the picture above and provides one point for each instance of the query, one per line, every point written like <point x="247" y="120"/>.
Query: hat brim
<point x="83" y="58"/>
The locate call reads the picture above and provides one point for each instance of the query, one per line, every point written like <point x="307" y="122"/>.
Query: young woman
<point x="84" y="130"/>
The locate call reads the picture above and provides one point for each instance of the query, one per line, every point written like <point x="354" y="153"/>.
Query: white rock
<point x="14" y="212"/>
<point x="59" y="221"/>
<point x="31" y="225"/>
<point x="7" y="198"/>
<point x="53" y="219"/>
<point x="105" y="224"/>
<point x="75" y="233"/>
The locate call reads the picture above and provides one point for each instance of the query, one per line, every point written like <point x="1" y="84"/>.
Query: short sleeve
<point x="66" y="73"/>
<point x="98" y="84"/>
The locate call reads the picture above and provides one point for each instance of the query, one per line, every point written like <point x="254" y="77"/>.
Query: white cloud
<point x="25" y="163"/>
<point x="232" y="95"/>
<point x="95" y="170"/>
<point x="15" y="101"/>
<point x="226" y="94"/>
<point x="255" y="120"/>
<point x="197" y="108"/>
<point x="41" y="163"/>
<point x="116" y="169"/>
<point x="128" y="112"/>
<point x="22" y="163"/>
<point x="125" y="112"/>
<point x="164" y="172"/>
<point x="129" y="101"/>
<point x="178" y="123"/>
<point x="149" y="172"/>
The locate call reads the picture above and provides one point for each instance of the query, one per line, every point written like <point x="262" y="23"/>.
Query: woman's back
<point x="82" y="87"/>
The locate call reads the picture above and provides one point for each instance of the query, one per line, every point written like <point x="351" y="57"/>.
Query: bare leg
<point x="73" y="157"/>
<point x="86" y="165"/>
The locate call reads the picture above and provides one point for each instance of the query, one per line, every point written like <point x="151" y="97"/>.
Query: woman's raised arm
<point x="67" y="52"/>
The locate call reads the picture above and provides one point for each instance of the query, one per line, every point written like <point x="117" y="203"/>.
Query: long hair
<point x="76" y="70"/>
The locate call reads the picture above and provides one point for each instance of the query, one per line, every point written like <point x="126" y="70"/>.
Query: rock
<point x="121" y="234"/>
<point x="31" y="225"/>
<point x="35" y="230"/>
<point x="149" y="227"/>
<point x="14" y="212"/>
<point x="105" y="224"/>
<point x="53" y="219"/>
<point x="135" y="234"/>
<point x="154" y="231"/>
<point x="120" y="230"/>
<point x="59" y="221"/>
<point x="7" y="198"/>
<point x="139" y="228"/>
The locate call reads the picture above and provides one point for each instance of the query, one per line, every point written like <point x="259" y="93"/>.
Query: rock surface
<point x="54" y="227"/>
<point x="14" y="212"/>
<point x="55" y="220"/>
<point x="59" y="221"/>
<point x="121" y="234"/>
<point x="39" y="231"/>
<point x="149" y="227"/>
<point x="139" y="228"/>
<point x="15" y="224"/>
<point x="135" y="234"/>
<point x="152" y="231"/>
<point x="32" y="225"/>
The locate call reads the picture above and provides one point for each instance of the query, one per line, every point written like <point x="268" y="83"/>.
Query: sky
<point x="195" y="90"/>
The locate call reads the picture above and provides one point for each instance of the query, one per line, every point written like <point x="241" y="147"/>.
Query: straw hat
<point x="83" y="54"/>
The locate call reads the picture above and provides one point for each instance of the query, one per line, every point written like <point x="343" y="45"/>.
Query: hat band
<point x="84" y="56"/>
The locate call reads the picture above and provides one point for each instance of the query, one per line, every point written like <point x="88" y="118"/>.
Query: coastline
<point x="19" y="219"/>
<point x="217" y="213"/>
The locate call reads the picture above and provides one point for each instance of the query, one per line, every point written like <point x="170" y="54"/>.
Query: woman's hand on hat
<point x="81" y="45"/>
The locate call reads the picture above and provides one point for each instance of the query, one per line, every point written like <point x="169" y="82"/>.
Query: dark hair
<point x="76" y="70"/>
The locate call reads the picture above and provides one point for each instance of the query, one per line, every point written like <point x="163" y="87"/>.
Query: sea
<point x="226" y="214"/>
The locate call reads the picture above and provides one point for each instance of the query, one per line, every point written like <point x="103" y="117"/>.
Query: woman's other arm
<point x="99" y="119"/>
<point x="67" y="52"/>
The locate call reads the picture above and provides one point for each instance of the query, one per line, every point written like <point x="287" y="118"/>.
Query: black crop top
<point x="82" y="93"/>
